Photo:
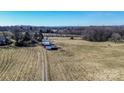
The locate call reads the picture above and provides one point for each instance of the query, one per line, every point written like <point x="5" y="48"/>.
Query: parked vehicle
<point x="51" y="47"/>
<point x="48" y="45"/>
<point x="44" y="43"/>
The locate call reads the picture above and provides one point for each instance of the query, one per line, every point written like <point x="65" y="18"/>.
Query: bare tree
<point x="116" y="37"/>
<point x="40" y="35"/>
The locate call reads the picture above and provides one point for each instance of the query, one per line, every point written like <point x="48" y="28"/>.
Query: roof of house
<point x="2" y="38"/>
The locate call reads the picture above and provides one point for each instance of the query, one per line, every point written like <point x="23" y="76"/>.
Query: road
<point x="44" y="62"/>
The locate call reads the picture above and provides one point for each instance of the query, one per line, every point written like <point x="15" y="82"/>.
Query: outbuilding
<point x="2" y="40"/>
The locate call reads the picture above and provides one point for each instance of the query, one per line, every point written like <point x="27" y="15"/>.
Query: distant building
<point x="2" y="40"/>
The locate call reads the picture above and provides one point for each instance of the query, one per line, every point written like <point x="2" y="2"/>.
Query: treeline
<point x="103" y="33"/>
<point x="91" y="33"/>
<point x="26" y="29"/>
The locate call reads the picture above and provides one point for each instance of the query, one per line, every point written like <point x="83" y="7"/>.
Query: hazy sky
<point x="61" y="18"/>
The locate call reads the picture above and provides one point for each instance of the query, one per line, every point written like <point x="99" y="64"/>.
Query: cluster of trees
<point x="103" y="33"/>
<point x="4" y="39"/>
<point x="27" y="39"/>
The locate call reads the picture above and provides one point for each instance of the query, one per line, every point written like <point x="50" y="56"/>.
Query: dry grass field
<point x="83" y="60"/>
<point x="76" y="60"/>
<point x="20" y="64"/>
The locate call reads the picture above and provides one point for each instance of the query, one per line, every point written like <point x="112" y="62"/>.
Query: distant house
<point x="2" y="40"/>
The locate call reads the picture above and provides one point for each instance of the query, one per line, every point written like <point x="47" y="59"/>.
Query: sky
<point x="61" y="18"/>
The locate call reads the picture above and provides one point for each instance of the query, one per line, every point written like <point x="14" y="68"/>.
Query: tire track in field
<point x="39" y="63"/>
<point x="29" y="67"/>
<point x="9" y="58"/>
<point x="24" y="64"/>
<point x="14" y="70"/>
<point x="44" y="65"/>
<point x="9" y="64"/>
<point x="34" y="64"/>
<point x="18" y="55"/>
<point x="21" y="66"/>
<point x="63" y="68"/>
<point x="10" y="72"/>
<point x="23" y="72"/>
<point x="57" y="69"/>
<point x="5" y="64"/>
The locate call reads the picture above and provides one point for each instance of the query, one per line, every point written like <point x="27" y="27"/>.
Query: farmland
<point x="83" y="60"/>
<point x="20" y="64"/>
<point x="75" y="60"/>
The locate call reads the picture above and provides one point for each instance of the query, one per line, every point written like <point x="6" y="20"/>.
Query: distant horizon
<point x="62" y="18"/>
<point x="59" y="26"/>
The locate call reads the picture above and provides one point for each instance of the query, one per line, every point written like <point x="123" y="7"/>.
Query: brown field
<point x="20" y="64"/>
<point x="83" y="60"/>
<point x="76" y="60"/>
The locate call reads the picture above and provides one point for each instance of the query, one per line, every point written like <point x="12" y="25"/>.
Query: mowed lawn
<point x="83" y="60"/>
